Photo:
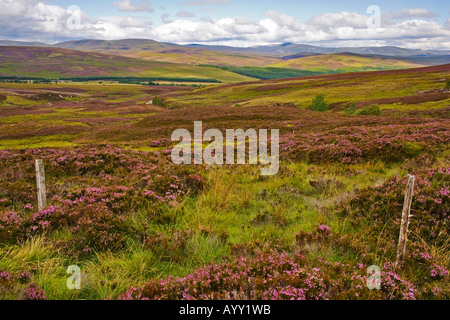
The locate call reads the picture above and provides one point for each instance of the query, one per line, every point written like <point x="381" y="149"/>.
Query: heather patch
<point x="275" y="276"/>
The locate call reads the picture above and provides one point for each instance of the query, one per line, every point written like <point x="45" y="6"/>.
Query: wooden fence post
<point x="40" y="182"/>
<point x="403" y="238"/>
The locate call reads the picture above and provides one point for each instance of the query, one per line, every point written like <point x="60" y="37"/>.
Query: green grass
<point x="266" y="73"/>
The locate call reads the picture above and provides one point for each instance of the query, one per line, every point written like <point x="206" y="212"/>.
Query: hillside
<point x="391" y="89"/>
<point x="285" y="49"/>
<point x="260" y="56"/>
<point x="345" y="62"/>
<point x="167" y="52"/>
<point x="56" y="62"/>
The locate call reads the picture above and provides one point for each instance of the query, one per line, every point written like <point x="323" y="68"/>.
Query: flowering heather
<point x="377" y="214"/>
<point x="125" y="182"/>
<point x="348" y="145"/>
<point x="32" y="292"/>
<point x="275" y="276"/>
<point x="20" y="284"/>
<point x="430" y="208"/>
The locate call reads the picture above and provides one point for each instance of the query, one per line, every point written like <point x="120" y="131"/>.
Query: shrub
<point x="158" y="101"/>
<point x="319" y="104"/>
<point x="97" y="228"/>
<point x="351" y="109"/>
<point x="373" y="110"/>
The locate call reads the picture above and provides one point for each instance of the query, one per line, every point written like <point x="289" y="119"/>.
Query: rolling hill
<point x="49" y="62"/>
<point x="259" y="56"/>
<point x="390" y="89"/>
<point x="345" y="62"/>
<point x="167" y="52"/>
<point x="281" y="50"/>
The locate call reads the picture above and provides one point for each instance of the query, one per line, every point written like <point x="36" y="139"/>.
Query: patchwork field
<point x="139" y="226"/>
<point x="55" y="63"/>
<point x="166" y="52"/>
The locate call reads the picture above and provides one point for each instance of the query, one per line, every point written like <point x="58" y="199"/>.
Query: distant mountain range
<point x="276" y="50"/>
<point x="150" y="58"/>
<point x="290" y="48"/>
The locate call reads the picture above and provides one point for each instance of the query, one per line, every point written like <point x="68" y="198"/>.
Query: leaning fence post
<point x="403" y="238"/>
<point x="40" y="182"/>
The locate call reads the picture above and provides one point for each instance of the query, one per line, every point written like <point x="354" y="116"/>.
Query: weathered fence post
<point x="403" y="238"/>
<point x="40" y="182"/>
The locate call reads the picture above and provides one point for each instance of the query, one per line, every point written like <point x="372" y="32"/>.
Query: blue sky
<point x="414" y="24"/>
<point x="255" y="9"/>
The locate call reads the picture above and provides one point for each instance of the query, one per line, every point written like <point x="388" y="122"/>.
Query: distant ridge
<point x="275" y="50"/>
<point x="53" y="63"/>
<point x="291" y="49"/>
<point x="23" y="44"/>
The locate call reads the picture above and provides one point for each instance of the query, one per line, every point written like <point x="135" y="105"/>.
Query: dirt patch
<point x="9" y="112"/>
<point x="339" y="106"/>
<point x="46" y="132"/>
<point x="426" y="96"/>
<point x="435" y="113"/>
<point x="66" y="90"/>
<point x="51" y="97"/>
<point x="163" y="89"/>
<point x="275" y="87"/>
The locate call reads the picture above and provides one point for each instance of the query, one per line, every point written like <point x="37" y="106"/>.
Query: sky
<point x="409" y="24"/>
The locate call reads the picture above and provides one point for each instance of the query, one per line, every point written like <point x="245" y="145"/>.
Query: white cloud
<point x="324" y="29"/>
<point x="410" y="13"/>
<point x="185" y="14"/>
<point x="337" y="20"/>
<point x="206" y="2"/>
<point x="165" y="18"/>
<point x="127" y="6"/>
<point x="40" y="21"/>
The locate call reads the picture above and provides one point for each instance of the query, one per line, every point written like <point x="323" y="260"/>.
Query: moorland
<point x="140" y="227"/>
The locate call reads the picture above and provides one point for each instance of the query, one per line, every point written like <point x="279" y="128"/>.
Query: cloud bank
<point x="127" y="6"/>
<point x="42" y="21"/>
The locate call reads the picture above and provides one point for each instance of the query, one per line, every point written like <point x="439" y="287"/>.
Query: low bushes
<point x="276" y="276"/>
<point x="373" y="110"/>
